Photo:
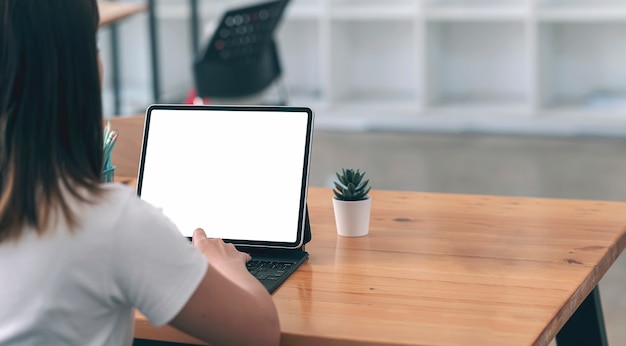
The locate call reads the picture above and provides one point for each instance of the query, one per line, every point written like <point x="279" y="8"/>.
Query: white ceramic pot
<point x="352" y="218"/>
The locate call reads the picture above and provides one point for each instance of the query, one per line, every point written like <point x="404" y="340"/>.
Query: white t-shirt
<point x="81" y="288"/>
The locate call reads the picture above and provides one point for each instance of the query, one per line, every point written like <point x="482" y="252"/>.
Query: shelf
<point x="373" y="58"/>
<point x="306" y="98"/>
<point x="300" y="51"/>
<point x="577" y="60"/>
<point x="472" y="62"/>
<point x="378" y="103"/>
<point x="372" y="9"/>
<point x="305" y="10"/>
<point x="481" y="106"/>
<point x="465" y="14"/>
<point x="593" y="103"/>
<point x="476" y="3"/>
<point x="581" y="10"/>
<point x="565" y="4"/>
<point x="582" y="14"/>
<point x="573" y="113"/>
<point x="459" y="10"/>
<point x="444" y="61"/>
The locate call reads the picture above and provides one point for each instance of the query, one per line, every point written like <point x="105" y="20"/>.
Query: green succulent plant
<point x="350" y="185"/>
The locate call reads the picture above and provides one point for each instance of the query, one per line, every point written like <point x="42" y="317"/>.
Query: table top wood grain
<point x="127" y="150"/>
<point x="442" y="269"/>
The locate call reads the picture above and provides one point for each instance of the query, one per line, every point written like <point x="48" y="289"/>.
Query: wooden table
<point x="127" y="151"/>
<point x="111" y="11"/>
<point x="445" y="269"/>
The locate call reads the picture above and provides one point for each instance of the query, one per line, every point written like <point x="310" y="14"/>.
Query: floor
<point x="560" y="167"/>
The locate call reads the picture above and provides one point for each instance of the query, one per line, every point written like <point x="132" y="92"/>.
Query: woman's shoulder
<point x="116" y="196"/>
<point x="121" y="202"/>
<point x="119" y="190"/>
<point x="114" y="203"/>
<point x="123" y="199"/>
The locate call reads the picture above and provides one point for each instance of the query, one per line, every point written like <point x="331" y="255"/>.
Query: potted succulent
<point x="352" y="203"/>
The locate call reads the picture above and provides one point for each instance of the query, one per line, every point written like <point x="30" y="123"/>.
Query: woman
<point x="77" y="256"/>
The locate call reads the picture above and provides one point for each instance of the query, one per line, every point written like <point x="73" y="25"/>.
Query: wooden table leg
<point x="586" y="326"/>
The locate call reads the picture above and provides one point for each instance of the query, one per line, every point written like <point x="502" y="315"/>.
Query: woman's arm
<point x="230" y="306"/>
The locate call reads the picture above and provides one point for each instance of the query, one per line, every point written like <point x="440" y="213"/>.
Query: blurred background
<point x="502" y="97"/>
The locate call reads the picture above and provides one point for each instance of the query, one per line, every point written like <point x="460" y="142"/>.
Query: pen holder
<point x="108" y="174"/>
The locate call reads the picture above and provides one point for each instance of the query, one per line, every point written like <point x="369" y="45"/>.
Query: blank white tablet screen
<point x="236" y="174"/>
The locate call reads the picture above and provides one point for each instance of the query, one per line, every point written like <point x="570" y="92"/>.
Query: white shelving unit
<point x="531" y="64"/>
<point x="553" y="66"/>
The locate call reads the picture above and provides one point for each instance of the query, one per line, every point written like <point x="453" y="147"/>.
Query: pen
<point x="108" y="148"/>
<point x="107" y="130"/>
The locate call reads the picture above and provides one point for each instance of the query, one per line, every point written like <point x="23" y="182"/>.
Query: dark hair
<point x="50" y="111"/>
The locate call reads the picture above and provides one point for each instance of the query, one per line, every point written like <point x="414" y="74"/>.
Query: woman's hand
<point x="216" y="251"/>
